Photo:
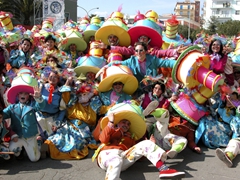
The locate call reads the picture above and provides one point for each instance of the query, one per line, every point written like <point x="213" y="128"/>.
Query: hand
<point x="54" y="128"/>
<point x="101" y="45"/>
<point x="37" y="91"/>
<point x="69" y="81"/>
<point x="181" y="48"/>
<point x="101" y="71"/>
<point x="15" y="139"/>
<point x="198" y="150"/>
<point x="111" y="117"/>
<point x="174" y="97"/>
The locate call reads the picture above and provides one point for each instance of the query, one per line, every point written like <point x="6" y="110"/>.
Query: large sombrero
<point x="89" y="64"/>
<point x="116" y="27"/>
<point x="118" y="73"/>
<point x="73" y="36"/>
<point x="90" y="30"/>
<point x="175" y="42"/>
<point x="23" y="82"/>
<point x="130" y="111"/>
<point x="147" y="28"/>
<point x="192" y="70"/>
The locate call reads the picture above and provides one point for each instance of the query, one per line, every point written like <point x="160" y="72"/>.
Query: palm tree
<point x="22" y="10"/>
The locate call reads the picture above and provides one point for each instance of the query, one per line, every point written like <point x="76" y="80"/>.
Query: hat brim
<point x="137" y="127"/>
<point x="87" y="34"/>
<point x="13" y="91"/>
<point x="85" y="69"/>
<point x="79" y="42"/>
<point x="123" y="36"/>
<point x="89" y="64"/>
<point x="129" y="81"/>
<point x="179" y="61"/>
<point x="137" y="31"/>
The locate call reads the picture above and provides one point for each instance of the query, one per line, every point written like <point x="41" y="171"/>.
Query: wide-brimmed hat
<point x="116" y="27"/>
<point x="130" y="111"/>
<point x="119" y="73"/>
<point x="148" y="28"/>
<point x="89" y="64"/>
<point x="23" y="82"/>
<point x="90" y="30"/>
<point x="72" y="36"/>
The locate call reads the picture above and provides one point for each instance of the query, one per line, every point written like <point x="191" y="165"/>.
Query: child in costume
<point x="6" y="135"/>
<point x="21" y="56"/>
<point x="122" y="127"/>
<point x="23" y="119"/>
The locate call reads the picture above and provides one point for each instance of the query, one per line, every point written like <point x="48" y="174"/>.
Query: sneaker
<point x="223" y="157"/>
<point x="150" y="108"/>
<point x="171" y="173"/>
<point x="172" y="154"/>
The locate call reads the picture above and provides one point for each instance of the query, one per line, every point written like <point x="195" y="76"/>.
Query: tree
<point x="229" y="28"/>
<point x="213" y="24"/>
<point x="22" y="10"/>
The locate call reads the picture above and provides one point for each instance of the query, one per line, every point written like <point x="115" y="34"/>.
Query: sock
<point x="230" y="155"/>
<point x="158" y="112"/>
<point x="161" y="166"/>
<point x="178" y="147"/>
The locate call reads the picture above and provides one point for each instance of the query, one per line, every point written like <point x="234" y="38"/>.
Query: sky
<point x="130" y="7"/>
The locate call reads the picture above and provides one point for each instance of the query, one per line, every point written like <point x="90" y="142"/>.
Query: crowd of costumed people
<point x="123" y="92"/>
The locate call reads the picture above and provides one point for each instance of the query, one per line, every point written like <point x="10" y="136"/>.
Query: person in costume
<point x="6" y="135"/>
<point x="119" y="149"/>
<point x="23" y="119"/>
<point x="142" y="64"/>
<point x="74" y="54"/>
<point x="4" y="56"/>
<point x="52" y="115"/>
<point x="21" y="56"/>
<point x="73" y="139"/>
<point x="219" y="61"/>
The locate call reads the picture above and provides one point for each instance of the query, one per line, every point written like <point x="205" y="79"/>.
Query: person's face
<point x="50" y="44"/>
<point x="140" y="53"/>
<point x="72" y="47"/>
<point x="51" y="62"/>
<point x="90" y="76"/>
<point x="117" y="87"/>
<point x="25" y="46"/>
<point x="23" y="97"/>
<point x="53" y="79"/>
<point x="216" y="47"/>
<point x="143" y="39"/>
<point x="124" y="125"/>
<point x="113" y="40"/>
<point x="157" y="90"/>
<point x="92" y="38"/>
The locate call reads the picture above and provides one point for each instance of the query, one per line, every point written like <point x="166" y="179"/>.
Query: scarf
<point x="51" y="89"/>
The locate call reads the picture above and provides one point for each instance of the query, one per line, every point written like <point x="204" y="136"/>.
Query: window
<point x="181" y="13"/>
<point x="181" y="6"/>
<point x="237" y="12"/>
<point x="67" y="16"/>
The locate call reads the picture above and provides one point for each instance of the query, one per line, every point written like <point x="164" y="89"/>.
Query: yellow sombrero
<point x="116" y="27"/>
<point x="130" y="111"/>
<point x="119" y="73"/>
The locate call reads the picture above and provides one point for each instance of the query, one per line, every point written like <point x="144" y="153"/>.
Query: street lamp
<point x="189" y="19"/>
<point x="87" y="12"/>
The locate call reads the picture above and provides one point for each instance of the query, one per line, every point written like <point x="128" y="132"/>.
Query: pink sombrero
<point x="147" y="28"/>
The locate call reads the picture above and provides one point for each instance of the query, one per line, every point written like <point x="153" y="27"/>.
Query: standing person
<point x="21" y="56"/>
<point x="122" y="127"/>
<point x="23" y="120"/>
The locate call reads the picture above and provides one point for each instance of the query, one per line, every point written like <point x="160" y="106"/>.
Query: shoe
<point x="172" y="154"/>
<point x="223" y="157"/>
<point x="150" y="108"/>
<point x="21" y="155"/>
<point x="171" y="173"/>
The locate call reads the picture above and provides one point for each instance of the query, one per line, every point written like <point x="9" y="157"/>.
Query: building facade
<point x="223" y="10"/>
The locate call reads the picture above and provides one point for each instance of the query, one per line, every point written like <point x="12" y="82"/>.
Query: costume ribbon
<point x="51" y="89"/>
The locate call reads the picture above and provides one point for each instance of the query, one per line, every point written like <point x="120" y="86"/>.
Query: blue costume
<point x="19" y="58"/>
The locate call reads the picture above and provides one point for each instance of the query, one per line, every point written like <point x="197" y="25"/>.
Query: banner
<point x="54" y="9"/>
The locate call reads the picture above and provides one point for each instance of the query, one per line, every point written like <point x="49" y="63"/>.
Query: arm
<point x="125" y="51"/>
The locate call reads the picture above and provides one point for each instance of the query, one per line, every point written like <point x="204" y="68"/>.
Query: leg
<point x="32" y="149"/>
<point x="111" y="161"/>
